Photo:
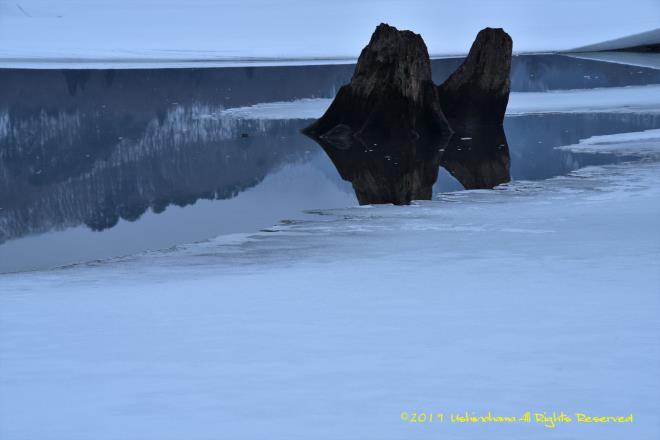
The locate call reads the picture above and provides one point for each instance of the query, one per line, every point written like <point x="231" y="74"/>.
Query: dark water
<point x="95" y="164"/>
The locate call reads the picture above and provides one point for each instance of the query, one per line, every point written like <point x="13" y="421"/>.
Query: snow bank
<point x="311" y="108"/>
<point x="537" y="296"/>
<point x="638" y="99"/>
<point x="130" y="31"/>
<point x="643" y="143"/>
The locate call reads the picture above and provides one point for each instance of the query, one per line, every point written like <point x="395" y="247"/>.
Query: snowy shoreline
<point x="645" y="144"/>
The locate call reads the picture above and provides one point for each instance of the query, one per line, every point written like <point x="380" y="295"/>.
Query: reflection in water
<point x="533" y="138"/>
<point x="538" y="73"/>
<point x="398" y="171"/>
<point x="192" y="153"/>
<point x="61" y="169"/>
<point x="144" y="92"/>
<point x="478" y="157"/>
<point x="386" y="171"/>
<point x="91" y="148"/>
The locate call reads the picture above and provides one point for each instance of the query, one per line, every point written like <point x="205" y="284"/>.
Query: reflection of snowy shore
<point x="540" y="294"/>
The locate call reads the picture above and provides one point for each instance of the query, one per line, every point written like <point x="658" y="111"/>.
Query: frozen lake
<point x="231" y="288"/>
<point x="104" y="163"/>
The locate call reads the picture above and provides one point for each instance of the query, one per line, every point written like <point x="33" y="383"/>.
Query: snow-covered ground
<point x="537" y="296"/>
<point x="165" y="31"/>
<point x="641" y="99"/>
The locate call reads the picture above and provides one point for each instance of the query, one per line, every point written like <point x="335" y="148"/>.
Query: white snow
<point x="643" y="143"/>
<point x="310" y="108"/>
<point x="638" y="99"/>
<point x="163" y="31"/>
<point x="537" y="296"/>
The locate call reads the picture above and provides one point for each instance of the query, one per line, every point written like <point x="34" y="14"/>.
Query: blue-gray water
<point x="103" y="163"/>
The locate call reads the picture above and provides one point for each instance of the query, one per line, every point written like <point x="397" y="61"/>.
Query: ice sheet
<point x="645" y="143"/>
<point x="56" y="33"/>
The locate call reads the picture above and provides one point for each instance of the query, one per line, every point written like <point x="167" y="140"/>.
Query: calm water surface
<point x="103" y="163"/>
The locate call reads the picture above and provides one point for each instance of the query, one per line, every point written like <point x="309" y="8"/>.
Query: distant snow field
<point x="157" y="31"/>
